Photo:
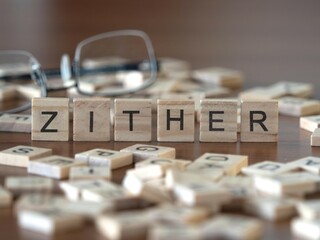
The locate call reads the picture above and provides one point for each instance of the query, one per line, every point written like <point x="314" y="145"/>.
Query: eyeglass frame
<point x="67" y="71"/>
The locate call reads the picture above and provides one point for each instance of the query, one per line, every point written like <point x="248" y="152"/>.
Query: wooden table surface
<point x="269" y="41"/>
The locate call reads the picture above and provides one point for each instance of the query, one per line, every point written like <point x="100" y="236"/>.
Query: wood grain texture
<point x="175" y="120"/>
<point x="259" y="121"/>
<point x="132" y="120"/>
<point x="91" y="119"/>
<point x="50" y="119"/>
<point x="218" y="120"/>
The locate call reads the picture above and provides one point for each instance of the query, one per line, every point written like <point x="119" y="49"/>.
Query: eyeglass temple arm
<point x="113" y="68"/>
<point x="86" y="71"/>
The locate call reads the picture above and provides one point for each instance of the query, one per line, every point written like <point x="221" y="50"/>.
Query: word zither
<point x="132" y="120"/>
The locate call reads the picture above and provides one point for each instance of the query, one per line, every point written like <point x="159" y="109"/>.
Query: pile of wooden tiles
<point x="161" y="197"/>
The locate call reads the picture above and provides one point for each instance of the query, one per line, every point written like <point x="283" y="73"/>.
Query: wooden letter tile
<point x="5" y="198"/>
<point x="219" y="76"/>
<point x="105" y="158"/>
<point x="165" y="163"/>
<point x="293" y="106"/>
<point x="218" y="120"/>
<point x="267" y="168"/>
<point x="49" y="221"/>
<point x="53" y="166"/>
<point x="91" y="119"/>
<point x="90" y="173"/>
<point x="28" y="184"/>
<point x="126" y="225"/>
<point x="310" y="123"/>
<point x="259" y="121"/>
<point x="15" y="123"/>
<point x="20" y="156"/>
<point x="74" y="189"/>
<point x="309" y="209"/>
<point x="310" y="164"/>
<point x="143" y="152"/>
<point x="305" y="228"/>
<point x="243" y="227"/>
<point x="175" y="120"/>
<point x="166" y="231"/>
<point x="293" y="184"/>
<point x="7" y="91"/>
<point x="132" y="120"/>
<point x="50" y="119"/>
<point x="230" y="164"/>
<point x="315" y="138"/>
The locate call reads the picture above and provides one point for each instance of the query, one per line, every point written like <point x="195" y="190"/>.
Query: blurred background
<point x="269" y="41"/>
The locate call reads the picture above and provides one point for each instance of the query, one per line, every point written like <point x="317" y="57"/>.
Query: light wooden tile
<point x="297" y="183"/>
<point x="36" y="202"/>
<point x="28" y="184"/>
<point x="116" y="196"/>
<point x="90" y="173"/>
<point x="177" y="214"/>
<point x="91" y="84"/>
<point x="20" y="156"/>
<point x="315" y="138"/>
<point x="147" y="183"/>
<point x="133" y="120"/>
<point x="126" y="225"/>
<point x="39" y="201"/>
<point x="267" y="168"/>
<point x="142" y="152"/>
<point x="310" y="123"/>
<point x="230" y="164"/>
<point x="203" y="194"/>
<point x="153" y="190"/>
<point x="50" y="119"/>
<point x="219" y="76"/>
<point x="309" y="209"/>
<point x="15" y="123"/>
<point x="165" y="231"/>
<point x="54" y="166"/>
<point x="211" y="171"/>
<point x="259" y="121"/>
<point x="297" y="89"/>
<point x="5" y="198"/>
<point x="74" y="189"/>
<point x="91" y="119"/>
<point x="305" y="229"/>
<point x="175" y="121"/>
<point x="49" y="221"/>
<point x="173" y="177"/>
<point x="29" y="90"/>
<point x="156" y="191"/>
<point x="105" y="158"/>
<point x="165" y="163"/>
<point x="310" y="164"/>
<point x="293" y="106"/>
<point x="240" y="188"/>
<point x="243" y="227"/>
<point x="165" y="85"/>
<point x="7" y="91"/>
<point x="271" y="208"/>
<point x="169" y="65"/>
<point x="261" y="93"/>
<point x="218" y="120"/>
<point x="89" y="210"/>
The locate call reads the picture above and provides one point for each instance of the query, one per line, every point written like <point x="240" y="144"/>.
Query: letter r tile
<point x="259" y="121"/>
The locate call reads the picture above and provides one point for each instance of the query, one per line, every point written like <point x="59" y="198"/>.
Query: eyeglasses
<point x="106" y="65"/>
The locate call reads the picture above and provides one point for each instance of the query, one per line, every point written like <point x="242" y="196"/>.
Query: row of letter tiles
<point x="133" y="120"/>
